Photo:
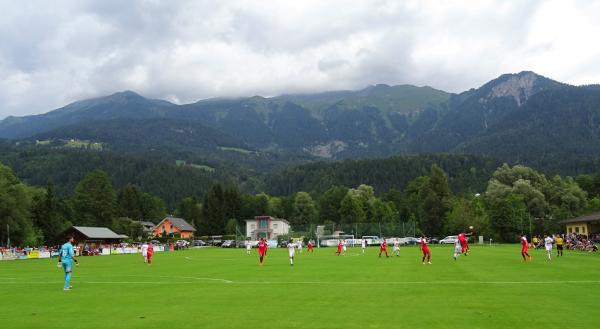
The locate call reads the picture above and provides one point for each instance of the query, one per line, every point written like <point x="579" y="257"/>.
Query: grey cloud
<point x="56" y="52"/>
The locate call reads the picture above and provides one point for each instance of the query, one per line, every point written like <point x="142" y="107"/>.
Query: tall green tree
<point x="351" y="210"/>
<point x="153" y="208"/>
<point x="305" y="210"/>
<point x="232" y="199"/>
<point x="330" y="202"/>
<point x="15" y="217"/>
<point x="49" y="214"/>
<point x="434" y="200"/>
<point x="129" y="201"/>
<point x="466" y="212"/>
<point x="191" y="210"/>
<point x="508" y="217"/>
<point x="213" y="212"/>
<point x="95" y="200"/>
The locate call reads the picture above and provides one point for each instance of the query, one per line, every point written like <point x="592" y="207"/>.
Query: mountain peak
<point x="519" y="86"/>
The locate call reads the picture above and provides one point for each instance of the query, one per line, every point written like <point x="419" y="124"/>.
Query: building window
<point x="274" y="226"/>
<point x="264" y="223"/>
<point x="577" y="229"/>
<point x="171" y="227"/>
<point x="570" y="230"/>
<point x="252" y="226"/>
<point x="583" y="229"/>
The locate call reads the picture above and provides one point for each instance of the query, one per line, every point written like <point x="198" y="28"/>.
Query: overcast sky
<point x="56" y="52"/>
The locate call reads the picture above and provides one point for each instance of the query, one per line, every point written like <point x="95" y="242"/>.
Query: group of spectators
<point x="572" y="241"/>
<point x="582" y="242"/>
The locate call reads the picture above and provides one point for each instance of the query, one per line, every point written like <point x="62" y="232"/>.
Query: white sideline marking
<point x="414" y="282"/>
<point x="198" y="280"/>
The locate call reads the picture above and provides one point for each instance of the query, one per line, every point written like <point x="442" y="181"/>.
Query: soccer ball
<point x="470" y="227"/>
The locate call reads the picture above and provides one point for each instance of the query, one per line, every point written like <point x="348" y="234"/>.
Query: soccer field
<point x="225" y="288"/>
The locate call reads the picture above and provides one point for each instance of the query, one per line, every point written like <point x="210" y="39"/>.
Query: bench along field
<point x="225" y="288"/>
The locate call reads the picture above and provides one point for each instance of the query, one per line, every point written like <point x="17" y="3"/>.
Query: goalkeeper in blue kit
<point x="66" y="257"/>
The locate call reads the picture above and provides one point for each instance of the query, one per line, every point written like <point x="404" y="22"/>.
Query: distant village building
<point x="266" y="227"/>
<point x="174" y="225"/>
<point x="586" y="224"/>
<point x="148" y="227"/>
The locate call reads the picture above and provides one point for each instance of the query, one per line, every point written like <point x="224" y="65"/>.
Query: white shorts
<point x="292" y="254"/>
<point x="396" y="248"/>
<point x="458" y="250"/>
<point x="549" y="248"/>
<point x="344" y="248"/>
<point x="144" y="254"/>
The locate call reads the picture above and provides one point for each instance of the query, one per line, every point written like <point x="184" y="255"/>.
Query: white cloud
<point x="56" y="52"/>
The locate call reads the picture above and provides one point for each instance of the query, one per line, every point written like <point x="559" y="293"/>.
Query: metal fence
<point x="358" y="230"/>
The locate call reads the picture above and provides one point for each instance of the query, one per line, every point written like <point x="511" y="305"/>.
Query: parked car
<point x="451" y="239"/>
<point x="408" y="240"/>
<point x="228" y="244"/>
<point x="433" y="240"/>
<point x="215" y="240"/>
<point x="372" y="239"/>
<point x="198" y="243"/>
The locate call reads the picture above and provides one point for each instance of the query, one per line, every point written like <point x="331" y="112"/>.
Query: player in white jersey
<point x="396" y="247"/>
<point x="457" y="249"/>
<point x="291" y="251"/>
<point x="548" y="242"/>
<point x="299" y="243"/>
<point x="344" y="243"/>
<point x="363" y="245"/>
<point x="145" y="251"/>
<point x="248" y="247"/>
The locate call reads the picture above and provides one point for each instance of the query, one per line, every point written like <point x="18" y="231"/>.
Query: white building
<point x="266" y="227"/>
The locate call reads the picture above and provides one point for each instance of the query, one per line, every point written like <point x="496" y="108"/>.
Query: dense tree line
<point x="466" y="173"/>
<point x="516" y="200"/>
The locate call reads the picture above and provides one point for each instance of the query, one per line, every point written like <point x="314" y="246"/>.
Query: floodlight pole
<point x="8" y="236"/>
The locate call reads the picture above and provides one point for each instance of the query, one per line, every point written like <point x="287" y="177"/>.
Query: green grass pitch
<point x="225" y="288"/>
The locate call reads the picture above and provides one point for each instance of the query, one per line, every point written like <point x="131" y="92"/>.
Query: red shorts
<point x="425" y="251"/>
<point x="525" y="249"/>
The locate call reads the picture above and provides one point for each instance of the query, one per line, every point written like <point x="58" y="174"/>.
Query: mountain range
<point x="523" y="117"/>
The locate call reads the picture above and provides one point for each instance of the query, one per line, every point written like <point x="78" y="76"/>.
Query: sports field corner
<point x="225" y="288"/>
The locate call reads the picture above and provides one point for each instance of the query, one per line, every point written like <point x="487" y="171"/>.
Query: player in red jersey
<point x="149" y="253"/>
<point x="464" y="243"/>
<point x="383" y="248"/>
<point x="425" y="249"/>
<point x="525" y="248"/>
<point x="262" y="249"/>
<point x="310" y="247"/>
<point x="339" y="249"/>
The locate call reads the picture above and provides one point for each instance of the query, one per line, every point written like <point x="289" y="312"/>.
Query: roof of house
<point x="180" y="223"/>
<point x="97" y="232"/>
<point x="272" y="218"/>
<point x="585" y="218"/>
